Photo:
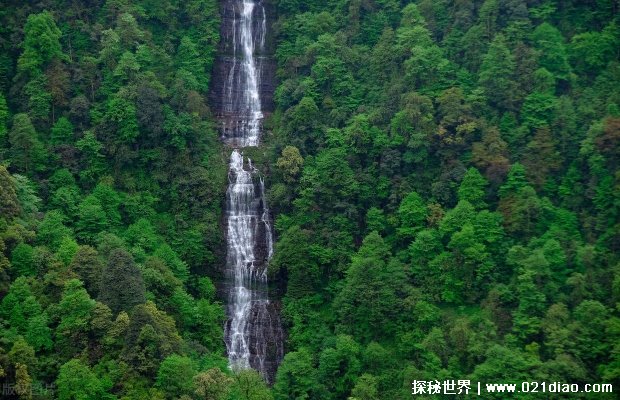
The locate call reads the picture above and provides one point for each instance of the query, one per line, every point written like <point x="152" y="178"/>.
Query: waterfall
<point x="241" y="91"/>
<point x="253" y="333"/>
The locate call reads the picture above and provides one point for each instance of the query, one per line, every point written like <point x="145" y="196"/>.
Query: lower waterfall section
<point x="253" y="334"/>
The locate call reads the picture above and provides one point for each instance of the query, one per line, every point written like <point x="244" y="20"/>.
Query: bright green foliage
<point x="74" y="312"/>
<point x="22" y="259"/>
<point x="365" y="388"/>
<point x="339" y="365"/>
<point x="26" y="152"/>
<point x="178" y="267"/>
<point x="39" y="98"/>
<point x="67" y="250"/>
<point x="92" y="219"/>
<point x="24" y="315"/>
<point x="175" y="375"/>
<point x="496" y="74"/>
<point x="591" y="51"/>
<point x="41" y="43"/>
<point x="249" y="385"/>
<point x="412" y="215"/>
<point x="472" y="188"/>
<point x="77" y="381"/>
<point x="52" y="230"/>
<point x="296" y="377"/>
<point x="553" y="57"/>
<point x="121" y="113"/>
<point x="62" y="132"/>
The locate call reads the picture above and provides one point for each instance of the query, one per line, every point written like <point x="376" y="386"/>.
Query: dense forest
<point x="444" y="176"/>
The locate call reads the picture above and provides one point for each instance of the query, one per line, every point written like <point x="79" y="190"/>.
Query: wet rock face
<point x="264" y="338"/>
<point x="242" y="93"/>
<point x="253" y="332"/>
<point x="243" y="85"/>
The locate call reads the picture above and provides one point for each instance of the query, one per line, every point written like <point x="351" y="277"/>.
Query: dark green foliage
<point x="122" y="286"/>
<point x="369" y="304"/>
<point x="9" y="203"/>
<point x="454" y="208"/>
<point x="443" y="177"/>
<point x="111" y="173"/>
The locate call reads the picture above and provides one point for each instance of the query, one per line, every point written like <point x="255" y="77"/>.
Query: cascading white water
<point x="253" y="334"/>
<point x="246" y="212"/>
<point x="241" y="90"/>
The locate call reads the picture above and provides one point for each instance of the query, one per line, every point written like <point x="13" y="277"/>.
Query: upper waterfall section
<point x="243" y="81"/>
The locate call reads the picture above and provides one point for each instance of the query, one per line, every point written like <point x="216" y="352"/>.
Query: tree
<point x="9" y="203"/>
<point x="127" y="67"/>
<point x="207" y="324"/>
<point x="52" y="230"/>
<point x="290" y="163"/>
<point x="62" y="132"/>
<point x="91" y="148"/>
<point x="489" y="155"/>
<point x="121" y="113"/>
<point x="537" y="109"/>
<point x="66" y="251"/>
<point x="412" y="214"/>
<point x="25" y="316"/>
<point x="175" y="375"/>
<point x="212" y="384"/>
<point x="339" y="366"/>
<point x="22" y="259"/>
<point x="550" y="42"/>
<point x="303" y="118"/>
<point x="189" y="59"/>
<point x="39" y="99"/>
<point x="365" y="388"/>
<point x="41" y="43"/>
<point x="591" y="51"/>
<point x="76" y="381"/>
<point x="122" y="286"/>
<point x="150" y="337"/>
<point x="92" y="219"/>
<point x="27" y="152"/>
<point x="4" y="119"/>
<point x="542" y="158"/>
<point x="27" y="196"/>
<point x="472" y="188"/>
<point x="249" y="385"/>
<point x="87" y="264"/>
<point x="518" y="204"/>
<point x="292" y="255"/>
<point x="296" y="377"/>
<point x="496" y="74"/>
<point x="23" y="381"/>
<point x="527" y="317"/>
<point x="370" y="303"/>
<point x="74" y="312"/>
